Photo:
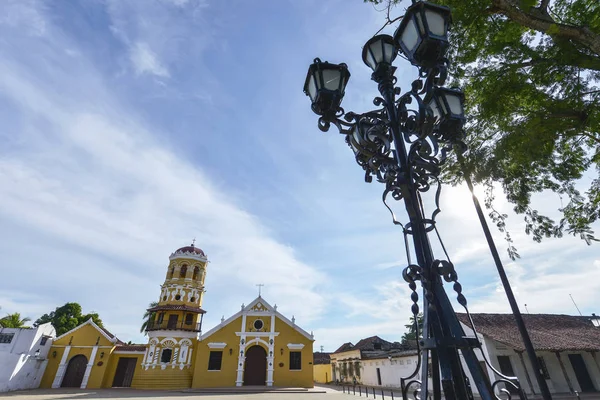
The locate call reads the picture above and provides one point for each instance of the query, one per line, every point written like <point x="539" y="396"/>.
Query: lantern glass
<point x="331" y="79"/>
<point x="435" y="22"/>
<point x="436" y="111"/>
<point x="455" y="103"/>
<point x="312" y="87"/>
<point x="380" y="49"/>
<point x="410" y="36"/>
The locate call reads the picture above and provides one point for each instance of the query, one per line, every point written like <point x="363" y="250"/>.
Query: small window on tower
<point x="164" y="298"/>
<point x="183" y="271"/>
<point x="193" y="299"/>
<point x="171" y="270"/>
<point x="178" y="297"/>
<point x="196" y="272"/>
<point x="189" y="319"/>
<point x="165" y="356"/>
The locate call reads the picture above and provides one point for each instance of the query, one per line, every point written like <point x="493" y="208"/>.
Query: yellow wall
<point x="322" y="373"/>
<point x="228" y="373"/>
<point x="283" y="376"/>
<point x="81" y="342"/>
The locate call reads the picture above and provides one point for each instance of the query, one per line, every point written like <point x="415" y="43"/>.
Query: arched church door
<point x="255" y="371"/>
<point x="75" y="371"/>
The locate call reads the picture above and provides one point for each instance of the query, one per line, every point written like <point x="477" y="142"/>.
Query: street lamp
<point x="403" y="144"/>
<point x="423" y="33"/>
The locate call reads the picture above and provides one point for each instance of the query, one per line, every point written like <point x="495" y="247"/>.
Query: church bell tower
<point x="177" y="318"/>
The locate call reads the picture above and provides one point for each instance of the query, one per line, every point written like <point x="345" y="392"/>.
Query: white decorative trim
<point x="295" y="346"/>
<point x="187" y="255"/>
<point x="216" y="345"/>
<point x="247" y="311"/>
<point x="88" y="369"/>
<point x="92" y="323"/>
<point x="60" y="372"/>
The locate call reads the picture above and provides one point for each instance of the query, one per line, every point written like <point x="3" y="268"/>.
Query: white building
<point x="23" y="356"/>
<point x="567" y="348"/>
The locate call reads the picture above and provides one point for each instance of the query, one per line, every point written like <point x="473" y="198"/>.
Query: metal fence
<point x="371" y="392"/>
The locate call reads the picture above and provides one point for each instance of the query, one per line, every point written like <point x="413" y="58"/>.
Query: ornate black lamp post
<point x="403" y="144"/>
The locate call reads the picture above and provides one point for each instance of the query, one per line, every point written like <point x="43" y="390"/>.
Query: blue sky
<point x="131" y="127"/>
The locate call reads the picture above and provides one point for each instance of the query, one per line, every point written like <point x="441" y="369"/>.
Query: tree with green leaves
<point x="411" y="334"/>
<point x="14" y="320"/>
<point x="67" y="317"/>
<point x="530" y="70"/>
<point x="148" y="317"/>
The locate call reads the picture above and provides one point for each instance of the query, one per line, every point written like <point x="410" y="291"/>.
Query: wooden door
<point x="255" y="371"/>
<point x="581" y="372"/>
<point x="172" y="324"/>
<point x="75" y="371"/>
<point x="124" y="372"/>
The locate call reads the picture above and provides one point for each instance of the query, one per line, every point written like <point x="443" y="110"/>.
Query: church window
<point x="171" y="272"/>
<point x="6" y="337"/>
<point x="178" y="297"/>
<point x="214" y="360"/>
<point x="161" y="317"/>
<point x="165" y="356"/>
<point x="183" y="271"/>
<point x="164" y="298"/>
<point x="196" y="272"/>
<point x="193" y="299"/>
<point x="258" y="324"/>
<point x="43" y="341"/>
<point x="189" y="319"/>
<point x="295" y="360"/>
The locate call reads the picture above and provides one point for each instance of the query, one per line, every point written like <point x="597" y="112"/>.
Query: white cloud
<point x="92" y="178"/>
<point x="145" y="61"/>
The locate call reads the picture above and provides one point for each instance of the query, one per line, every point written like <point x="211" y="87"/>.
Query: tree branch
<point x="579" y="34"/>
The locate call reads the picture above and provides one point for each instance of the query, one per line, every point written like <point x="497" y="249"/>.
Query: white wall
<point x="20" y="368"/>
<point x="557" y="382"/>
<point x="391" y="372"/>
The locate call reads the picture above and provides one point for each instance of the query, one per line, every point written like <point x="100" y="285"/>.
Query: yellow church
<point x="255" y="346"/>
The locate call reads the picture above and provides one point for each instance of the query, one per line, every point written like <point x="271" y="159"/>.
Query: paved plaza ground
<point x="318" y="393"/>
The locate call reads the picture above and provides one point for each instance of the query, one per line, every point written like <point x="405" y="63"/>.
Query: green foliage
<point x="67" y="317"/>
<point x="411" y="335"/>
<point x="14" y="320"/>
<point x="531" y="74"/>
<point x="148" y="316"/>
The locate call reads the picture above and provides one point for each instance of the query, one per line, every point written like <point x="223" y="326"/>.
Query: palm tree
<point x="14" y="321"/>
<point x="148" y="317"/>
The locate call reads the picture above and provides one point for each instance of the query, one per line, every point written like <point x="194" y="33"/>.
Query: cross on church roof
<point x="260" y="285"/>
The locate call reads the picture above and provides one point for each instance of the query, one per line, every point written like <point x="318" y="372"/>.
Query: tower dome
<point x="190" y="251"/>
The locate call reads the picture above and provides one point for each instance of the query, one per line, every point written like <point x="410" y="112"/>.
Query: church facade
<point x="255" y="346"/>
